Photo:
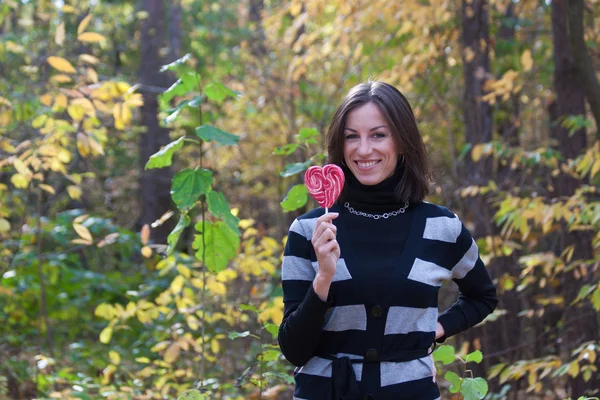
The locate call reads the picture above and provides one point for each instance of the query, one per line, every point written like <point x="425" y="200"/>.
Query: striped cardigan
<point x="371" y="340"/>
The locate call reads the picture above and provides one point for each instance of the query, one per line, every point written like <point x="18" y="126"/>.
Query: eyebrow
<point x="372" y="129"/>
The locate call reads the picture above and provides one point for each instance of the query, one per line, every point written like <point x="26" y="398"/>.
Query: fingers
<point x="330" y="247"/>
<point x="323" y="224"/>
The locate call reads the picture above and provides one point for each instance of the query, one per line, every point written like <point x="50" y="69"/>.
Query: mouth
<point x="363" y="165"/>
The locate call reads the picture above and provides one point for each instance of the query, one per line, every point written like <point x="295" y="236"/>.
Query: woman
<point x="360" y="283"/>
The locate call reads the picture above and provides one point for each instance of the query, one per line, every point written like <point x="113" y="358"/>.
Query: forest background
<point x="151" y="160"/>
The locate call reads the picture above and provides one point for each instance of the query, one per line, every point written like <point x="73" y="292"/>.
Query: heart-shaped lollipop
<point x="324" y="184"/>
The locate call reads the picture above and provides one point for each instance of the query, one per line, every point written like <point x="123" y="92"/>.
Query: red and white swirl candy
<point x="324" y="184"/>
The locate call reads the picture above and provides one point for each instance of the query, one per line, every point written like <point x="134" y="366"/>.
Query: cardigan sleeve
<point x="304" y="312"/>
<point x="477" y="294"/>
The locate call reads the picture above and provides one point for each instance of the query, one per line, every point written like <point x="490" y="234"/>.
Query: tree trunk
<point x="155" y="184"/>
<point x="175" y="12"/>
<point x="583" y="61"/>
<point x="570" y="100"/>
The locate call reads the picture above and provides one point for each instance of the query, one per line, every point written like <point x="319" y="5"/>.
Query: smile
<point x="366" y="164"/>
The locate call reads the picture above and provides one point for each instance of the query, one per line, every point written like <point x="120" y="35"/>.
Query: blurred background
<point x="151" y="162"/>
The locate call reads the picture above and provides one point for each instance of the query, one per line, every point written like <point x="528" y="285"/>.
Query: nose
<point x="364" y="147"/>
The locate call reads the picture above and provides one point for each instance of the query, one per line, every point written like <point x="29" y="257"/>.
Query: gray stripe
<point x="344" y="318"/>
<point x="466" y="263"/>
<point x="341" y="270"/>
<point x="296" y="269"/>
<point x="428" y="273"/>
<point x="445" y="229"/>
<point x="322" y="367"/>
<point x="393" y="373"/>
<point x="304" y="227"/>
<point x="409" y="319"/>
<point x="317" y="366"/>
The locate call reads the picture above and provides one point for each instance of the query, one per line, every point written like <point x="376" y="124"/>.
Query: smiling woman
<point x="360" y="283"/>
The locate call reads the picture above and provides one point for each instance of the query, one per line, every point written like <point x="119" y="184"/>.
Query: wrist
<point x="439" y="331"/>
<point x="321" y="285"/>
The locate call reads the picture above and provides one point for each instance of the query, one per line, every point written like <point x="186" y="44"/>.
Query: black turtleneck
<point x="385" y="237"/>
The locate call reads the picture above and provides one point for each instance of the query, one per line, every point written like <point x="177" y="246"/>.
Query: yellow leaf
<point x="47" y="188"/>
<point x="527" y="60"/>
<point x="45" y="99"/>
<point x="91" y="37"/>
<point x="95" y="146"/>
<point x="86" y="105"/>
<point x="22" y="168"/>
<point x="145" y="234"/>
<point x="215" y="346"/>
<point x="4" y="225"/>
<point x="61" y="78"/>
<point x="172" y="353"/>
<point x="106" y="334"/>
<point x="76" y="112"/>
<point x="147" y="251"/>
<point x="5" y="101"/>
<point x="573" y="369"/>
<point x="83" y="144"/>
<point x="61" y="101"/>
<point x="115" y="357"/>
<point x="143" y="360"/>
<point x="595" y="168"/>
<point x="39" y="121"/>
<point x="177" y="284"/>
<point x="83" y="232"/>
<point x="59" y="37"/>
<point x="74" y="192"/>
<point x="67" y="9"/>
<point x="61" y="65"/>
<point x="183" y="270"/>
<point x="83" y="24"/>
<point x="92" y="75"/>
<point x="89" y="59"/>
<point x="477" y="152"/>
<point x="105" y="310"/>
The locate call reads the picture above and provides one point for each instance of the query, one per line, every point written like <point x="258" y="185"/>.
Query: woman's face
<point x="370" y="150"/>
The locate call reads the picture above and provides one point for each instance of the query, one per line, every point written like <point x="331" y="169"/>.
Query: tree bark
<point x="155" y="184"/>
<point x="175" y="12"/>
<point x="583" y="61"/>
<point x="570" y="100"/>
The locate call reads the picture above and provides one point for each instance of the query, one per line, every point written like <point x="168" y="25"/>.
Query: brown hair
<point x="414" y="184"/>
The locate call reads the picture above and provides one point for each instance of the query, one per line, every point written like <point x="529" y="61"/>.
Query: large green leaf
<point x="455" y="381"/>
<point x="295" y="168"/>
<point x="219" y="247"/>
<point x="474" y="388"/>
<point x="308" y="135"/>
<point x="173" y="237"/>
<point x="218" y="92"/>
<point x="177" y="64"/>
<point x="445" y="354"/>
<point x="188" y="185"/>
<point x="475" y="357"/>
<point x="296" y="198"/>
<point x="286" y="150"/>
<point x="219" y="207"/>
<point x="211" y="133"/>
<point x="184" y="85"/>
<point x="164" y="157"/>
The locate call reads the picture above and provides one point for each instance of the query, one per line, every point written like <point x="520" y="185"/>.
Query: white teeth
<point x="366" y="164"/>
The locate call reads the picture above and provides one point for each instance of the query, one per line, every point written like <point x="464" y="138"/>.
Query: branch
<point x="583" y="61"/>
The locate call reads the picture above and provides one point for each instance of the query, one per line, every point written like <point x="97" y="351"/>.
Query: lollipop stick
<point x="326" y="210"/>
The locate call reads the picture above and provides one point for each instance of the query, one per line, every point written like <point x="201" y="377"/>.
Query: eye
<point x="351" y="136"/>
<point x="379" y="135"/>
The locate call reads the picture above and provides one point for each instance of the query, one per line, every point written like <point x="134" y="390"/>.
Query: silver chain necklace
<point x="377" y="216"/>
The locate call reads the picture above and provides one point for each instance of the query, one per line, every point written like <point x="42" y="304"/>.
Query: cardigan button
<point x="371" y="355"/>
<point x="376" y="311"/>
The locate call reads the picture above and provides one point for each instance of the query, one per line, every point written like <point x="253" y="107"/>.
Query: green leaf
<point x="295" y="168"/>
<point x="474" y="388"/>
<point x="210" y="133"/>
<point x="475" y="356"/>
<point x="444" y="354"/>
<point x="248" y="307"/>
<point x="184" y="85"/>
<point x="455" y="381"/>
<point x="296" y="198"/>
<point x="177" y="64"/>
<point x="188" y="185"/>
<point x="235" y="335"/>
<point x="273" y="329"/>
<point x="218" y="92"/>
<point x="193" y="394"/>
<point x="219" y="247"/>
<point x="173" y="237"/>
<point x="270" y="355"/>
<point x="286" y="150"/>
<point x="164" y="157"/>
<point x="308" y="135"/>
<point x="596" y="299"/>
<point x="219" y="207"/>
<point x="286" y="378"/>
<point x="193" y="103"/>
